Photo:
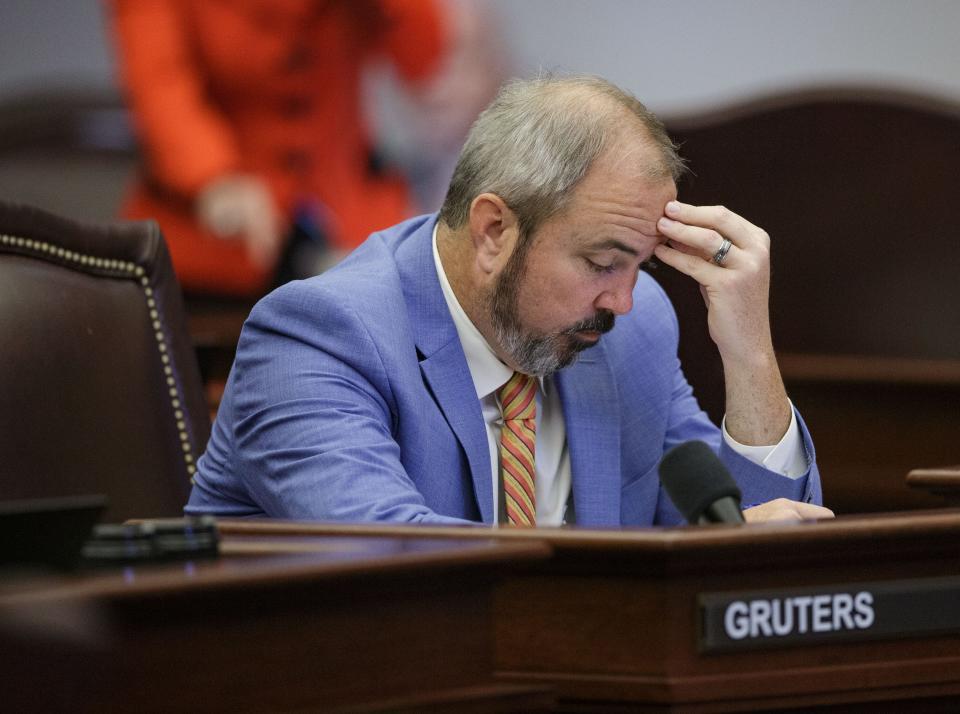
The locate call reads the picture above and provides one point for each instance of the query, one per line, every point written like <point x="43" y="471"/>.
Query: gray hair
<point x="537" y="140"/>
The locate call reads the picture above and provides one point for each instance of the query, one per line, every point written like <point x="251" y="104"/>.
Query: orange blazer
<point x="267" y="87"/>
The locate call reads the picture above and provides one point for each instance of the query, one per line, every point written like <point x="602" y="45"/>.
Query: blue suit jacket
<point x="350" y="400"/>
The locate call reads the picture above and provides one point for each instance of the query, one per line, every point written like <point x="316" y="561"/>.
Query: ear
<point x="493" y="230"/>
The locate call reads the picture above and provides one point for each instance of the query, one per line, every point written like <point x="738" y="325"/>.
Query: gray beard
<point x="538" y="355"/>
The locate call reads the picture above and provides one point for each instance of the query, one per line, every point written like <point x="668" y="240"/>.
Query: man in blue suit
<point x="370" y="393"/>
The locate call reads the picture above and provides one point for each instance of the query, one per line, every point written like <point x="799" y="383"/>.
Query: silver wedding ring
<point x="722" y="253"/>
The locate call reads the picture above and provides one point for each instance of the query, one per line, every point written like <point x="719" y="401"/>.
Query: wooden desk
<point x="943" y="482"/>
<point x="615" y="621"/>
<point x="871" y="419"/>
<point x="291" y="624"/>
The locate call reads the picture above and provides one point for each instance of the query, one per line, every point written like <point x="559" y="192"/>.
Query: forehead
<point x="618" y="200"/>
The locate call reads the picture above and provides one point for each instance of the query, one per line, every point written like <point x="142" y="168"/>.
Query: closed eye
<point x="600" y="268"/>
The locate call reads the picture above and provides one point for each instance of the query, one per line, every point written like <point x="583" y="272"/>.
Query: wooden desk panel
<point x="333" y="624"/>
<point x="943" y="482"/>
<point x="614" y="623"/>
<point x="868" y="435"/>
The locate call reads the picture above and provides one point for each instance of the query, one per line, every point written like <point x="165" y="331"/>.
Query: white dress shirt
<point x="552" y="457"/>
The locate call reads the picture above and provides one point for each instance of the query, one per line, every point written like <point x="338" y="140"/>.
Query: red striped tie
<point x="518" y="403"/>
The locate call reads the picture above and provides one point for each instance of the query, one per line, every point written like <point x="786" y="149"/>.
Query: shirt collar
<point x="486" y="369"/>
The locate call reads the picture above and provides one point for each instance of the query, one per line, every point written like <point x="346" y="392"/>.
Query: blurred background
<point x="677" y="56"/>
<point x="833" y="124"/>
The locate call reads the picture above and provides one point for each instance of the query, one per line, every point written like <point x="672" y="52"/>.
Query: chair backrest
<point x="99" y="387"/>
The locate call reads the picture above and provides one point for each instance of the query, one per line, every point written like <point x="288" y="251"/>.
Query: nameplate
<point x="794" y="617"/>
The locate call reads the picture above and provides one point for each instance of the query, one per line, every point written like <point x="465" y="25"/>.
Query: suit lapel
<point x="445" y="371"/>
<point x="442" y="362"/>
<point x="591" y="413"/>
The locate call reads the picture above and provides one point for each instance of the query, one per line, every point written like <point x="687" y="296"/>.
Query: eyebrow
<point x="615" y="244"/>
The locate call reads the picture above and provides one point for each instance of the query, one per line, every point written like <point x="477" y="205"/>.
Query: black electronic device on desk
<point x="62" y="534"/>
<point x="46" y="532"/>
<point x="161" y="541"/>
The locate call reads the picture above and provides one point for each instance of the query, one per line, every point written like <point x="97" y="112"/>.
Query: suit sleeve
<point x="686" y="421"/>
<point x="314" y="417"/>
<point x="186" y="141"/>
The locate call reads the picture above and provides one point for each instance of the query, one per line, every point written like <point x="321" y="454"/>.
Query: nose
<point x="618" y="300"/>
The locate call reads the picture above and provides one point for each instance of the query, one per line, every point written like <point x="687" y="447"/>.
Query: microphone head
<point x="695" y="478"/>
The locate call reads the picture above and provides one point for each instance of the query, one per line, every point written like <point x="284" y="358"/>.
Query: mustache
<point x="602" y="322"/>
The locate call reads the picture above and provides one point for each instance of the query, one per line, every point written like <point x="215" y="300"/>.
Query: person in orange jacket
<point x="249" y="115"/>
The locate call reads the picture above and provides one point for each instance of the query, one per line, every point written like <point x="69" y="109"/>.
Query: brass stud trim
<point x="134" y="272"/>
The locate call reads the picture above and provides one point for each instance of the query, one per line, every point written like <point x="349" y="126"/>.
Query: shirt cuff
<point x="787" y="457"/>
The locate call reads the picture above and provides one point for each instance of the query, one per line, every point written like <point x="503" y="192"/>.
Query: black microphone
<point x="699" y="484"/>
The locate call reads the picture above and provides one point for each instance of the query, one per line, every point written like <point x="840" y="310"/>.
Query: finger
<point x="719" y="218"/>
<point x="783" y="515"/>
<point x="783" y="509"/>
<point x="258" y="251"/>
<point x="694" y="240"/>
<point x="261" y="242"/>
<point x="689" y="264"/>
<point x="261" y="228"/>
<point x="810" y="511"/>
<point x="221" y="220"/>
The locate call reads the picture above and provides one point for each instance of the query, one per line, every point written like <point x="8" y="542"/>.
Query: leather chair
<point x="99" y="387"/>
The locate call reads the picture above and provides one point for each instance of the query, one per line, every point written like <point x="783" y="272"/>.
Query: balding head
<point x="538" y="138"/>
